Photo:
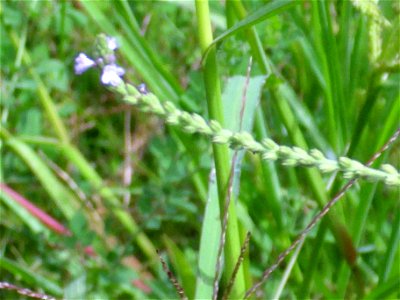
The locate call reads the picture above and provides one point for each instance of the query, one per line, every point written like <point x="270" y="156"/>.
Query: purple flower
<point x="112" y="75"/>
<point x="142" y="88"/>
<point x="112" y="43"/>
<point x="110" y="58"/>
<point x="83" y="63"/>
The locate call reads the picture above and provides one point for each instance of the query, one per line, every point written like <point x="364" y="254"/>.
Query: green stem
<point x="221" y="152"/>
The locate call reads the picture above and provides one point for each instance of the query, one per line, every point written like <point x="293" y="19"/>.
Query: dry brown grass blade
<point x="238" y="263"/>
<point x="172" y="278"/>
<point x="24" y="291"/>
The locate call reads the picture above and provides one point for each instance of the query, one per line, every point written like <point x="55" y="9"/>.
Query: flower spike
<point x="269" y="150"/>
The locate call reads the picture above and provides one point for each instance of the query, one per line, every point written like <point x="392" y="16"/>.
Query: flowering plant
<point x="112" y="73"/>
<point x="269" y="150"/>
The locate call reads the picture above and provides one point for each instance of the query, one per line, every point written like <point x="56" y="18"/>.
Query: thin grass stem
<point x="221" y="154"/>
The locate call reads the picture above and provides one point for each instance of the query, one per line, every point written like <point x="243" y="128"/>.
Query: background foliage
<point x="339" y="81"/>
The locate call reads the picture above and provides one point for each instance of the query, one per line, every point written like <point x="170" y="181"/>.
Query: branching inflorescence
<point x="194" y="123"/>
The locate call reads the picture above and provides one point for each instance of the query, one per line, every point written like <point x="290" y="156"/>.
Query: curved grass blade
<point x="268" y="10"/>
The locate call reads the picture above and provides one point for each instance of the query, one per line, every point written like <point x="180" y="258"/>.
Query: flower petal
<point x="112" y="43"/>
<point x="111" y="75"/>
<point x="142" y="88"/>
<point x="83" y="63"/>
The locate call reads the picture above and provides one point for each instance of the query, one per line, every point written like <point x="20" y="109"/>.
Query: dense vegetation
<point x="104" y="187"/>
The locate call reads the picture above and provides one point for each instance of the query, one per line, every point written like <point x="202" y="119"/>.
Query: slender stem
<point x="221" y="152"/>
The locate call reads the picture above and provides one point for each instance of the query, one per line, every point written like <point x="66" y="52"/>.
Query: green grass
<point x="322" y="76"/>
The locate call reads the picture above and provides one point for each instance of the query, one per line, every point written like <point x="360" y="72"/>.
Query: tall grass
<point x="324" y="75"/>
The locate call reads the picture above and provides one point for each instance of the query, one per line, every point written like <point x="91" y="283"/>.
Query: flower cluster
<point x="193" y="123"/>
<point x="267" y="148"/>
<point x="112" y="73"/>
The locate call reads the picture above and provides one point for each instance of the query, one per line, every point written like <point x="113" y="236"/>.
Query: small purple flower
<point x="112" y="43"/>
<point x="142" y="88"/>
<point x="83" y="63"/>
<point x="99" y="61"/>
<point x="110" y="58"/>
<point x="112" y="75"/>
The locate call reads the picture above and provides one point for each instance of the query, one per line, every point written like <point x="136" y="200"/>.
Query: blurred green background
<point x="123" y="184"/>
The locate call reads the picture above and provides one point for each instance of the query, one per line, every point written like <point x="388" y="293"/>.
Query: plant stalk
<point x="221" y="152"/>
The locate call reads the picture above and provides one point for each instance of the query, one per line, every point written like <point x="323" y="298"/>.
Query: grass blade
<point x="32" y="278"/>
<point x="59" y="194"/>
<point x="268" y="10"/>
